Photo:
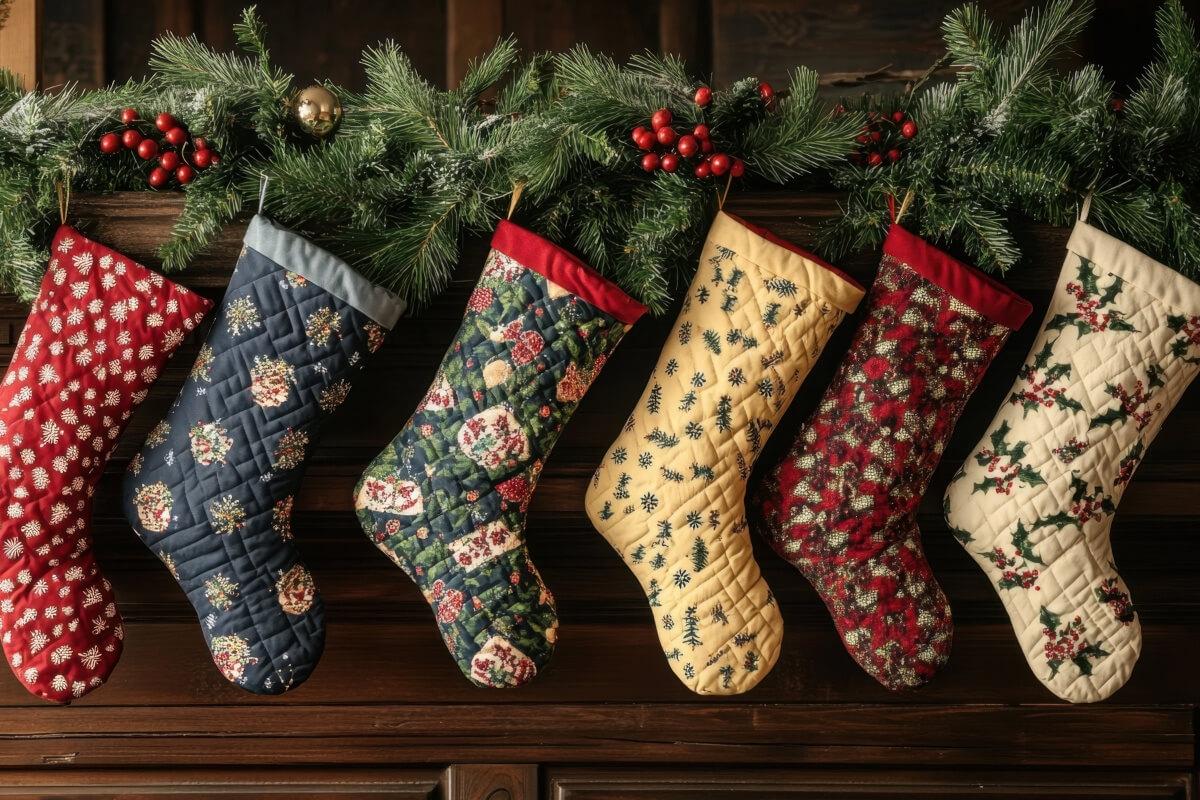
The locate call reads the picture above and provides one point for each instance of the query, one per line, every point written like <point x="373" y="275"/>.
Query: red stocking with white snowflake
<point x="99" y="331"/>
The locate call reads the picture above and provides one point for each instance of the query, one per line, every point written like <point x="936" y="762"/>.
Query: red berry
<point x="131" y="139"/>
<point x="738" y="169"/>
<point x="650" y="162"/>
<point x="703" y="170"/>
<point x="169" y="160"/>
<point x="202" y="158"/>
<point x="157" y="178"/>
<point x="176" y="136"/>
<point x="666" y="136"/>
<point x="647" y="141"/>
<point x="874" y="160"/>
<point x="908" y="130"/>
<point x="128" y="116"/>
<point x="216" y="159"/>
<point x="861" y="138"/>
<point x="110" y="143"/>
<point x="897" y="116"/>
<point x="636" y="135"/>
<point x="876" y="136"/>
<point x="1117" y="105"/>
<point x="894" y="154"/>
<point x="700" y="132"/>
<point x="669" y="162"/>
<point x="687" y="145"/>
<point x="703" y="96"/>
<point x="766" y="92"/>
<point x="720" y="164"/>
<point x="184" y="173"/>
<point x="200" y="142"/>
<point x="164" y="122"/>
<point x="706" y="146"/>
<point x="838" y="110"/>
<point x="147" y="149"/>
<point x="661" y="117"/>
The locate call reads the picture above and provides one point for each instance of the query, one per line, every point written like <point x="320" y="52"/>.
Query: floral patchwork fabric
<point x="1035" y="502"/>
<point x="213" y="490"/>
<point x="669" y="494"/>
<point x="98" y="334"/>
<point x="447" y="499"/>
<point x="841" y="506"/>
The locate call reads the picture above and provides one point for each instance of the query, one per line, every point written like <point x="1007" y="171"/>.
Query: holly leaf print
<point x="1049" y="619"/>
<point x="1042" y="357"/>
<point x="1060" y="321"/>
<point x="1088" y="277"/>
<point x="964" y="537"/>
<point x="1114" y="289"/>
<point x="1024" y="547"/>
<point x="1109" y="417"/>
<point x="1029" y="476"/>
<point x="1082" y="660"/>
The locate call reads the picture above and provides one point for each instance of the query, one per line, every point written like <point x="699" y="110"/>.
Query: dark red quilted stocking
<point x="841" y="506"/>
<point x="99" y="331"/>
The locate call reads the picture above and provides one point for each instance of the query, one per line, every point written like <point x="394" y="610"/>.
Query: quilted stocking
<point x="841" y="506"/>
<point x="100" y="329"/>
<point x="1034" y="505"/>
<point x="446" y="500"/>
<point x="669" y="494"/>
<point x="211" y="493"/>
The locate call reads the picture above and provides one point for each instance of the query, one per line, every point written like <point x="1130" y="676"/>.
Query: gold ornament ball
<point x="317" y="111"/>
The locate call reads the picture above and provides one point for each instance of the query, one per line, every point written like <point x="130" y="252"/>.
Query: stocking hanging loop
<point x="518" y="187"/>
<point x="263" y="180"/>
<point x="1085" y="207"/>
<point x="63" y="188"/>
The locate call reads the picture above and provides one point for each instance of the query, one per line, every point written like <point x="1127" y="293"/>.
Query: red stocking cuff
<point x="986" y="295"/>
<point x="553" y="262"/>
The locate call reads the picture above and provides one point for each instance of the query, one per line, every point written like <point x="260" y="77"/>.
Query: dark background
<point x="387" y="712"/>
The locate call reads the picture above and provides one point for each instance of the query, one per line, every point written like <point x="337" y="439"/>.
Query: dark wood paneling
<point x="583" y="784"/>
<point x="231" y="784"/>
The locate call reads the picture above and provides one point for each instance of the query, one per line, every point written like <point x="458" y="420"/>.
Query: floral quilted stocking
<point x="841" y="506"/>
<point x="446" y="500"/>
<point x="669" y="494"/>
<point x="100" y="329"/>
<point x="1034" y="505"/>
<point x="211" y="493"/>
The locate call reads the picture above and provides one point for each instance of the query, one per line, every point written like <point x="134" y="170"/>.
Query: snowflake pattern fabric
<point x="669" y="494"/>
<point x="447" y="499"/>
<point x="841" y="506"/>
<point x="213" y="489"/>
<point x="1034" y="504"/>
<point x="98" y="334"/>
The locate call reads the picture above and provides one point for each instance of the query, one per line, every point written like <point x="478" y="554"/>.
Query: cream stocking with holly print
<point x="1035" y="503"/>
<point x="669" y="494"/>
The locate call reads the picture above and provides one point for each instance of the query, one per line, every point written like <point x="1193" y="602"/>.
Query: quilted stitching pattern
<point x="211" y="493"/>
<point x="447" y="499"/>
<point x="841" y="506"/>
<point x="99" y="331"/>
<point x="669" y="494"/>
<point x="1035" y="503"/>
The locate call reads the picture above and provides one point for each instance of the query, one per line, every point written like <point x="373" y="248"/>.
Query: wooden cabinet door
<point x="673" y="784"/>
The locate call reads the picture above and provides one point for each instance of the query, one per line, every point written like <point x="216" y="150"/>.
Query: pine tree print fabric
<point x="213" y="489"/>
<point x="97" y="336"/>
<point x="841" y="506"/>
<point x="1034" y="504"/>
<point x="447" y="499"/>
<point x="669" y="495"/>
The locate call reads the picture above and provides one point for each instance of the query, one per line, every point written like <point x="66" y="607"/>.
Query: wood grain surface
<point x="387" y="694"/>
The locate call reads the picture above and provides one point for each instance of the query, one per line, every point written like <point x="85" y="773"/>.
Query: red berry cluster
<point x="666" y="147"/>
<point x="177" y="153"/>
<point x="883" y="137"/>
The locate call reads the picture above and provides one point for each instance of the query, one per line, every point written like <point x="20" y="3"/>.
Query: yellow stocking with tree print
<point x="669" y="494"/>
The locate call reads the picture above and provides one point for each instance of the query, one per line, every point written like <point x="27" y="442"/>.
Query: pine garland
<point x="414" y="168"/>
<point x="1013" y="135"/>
